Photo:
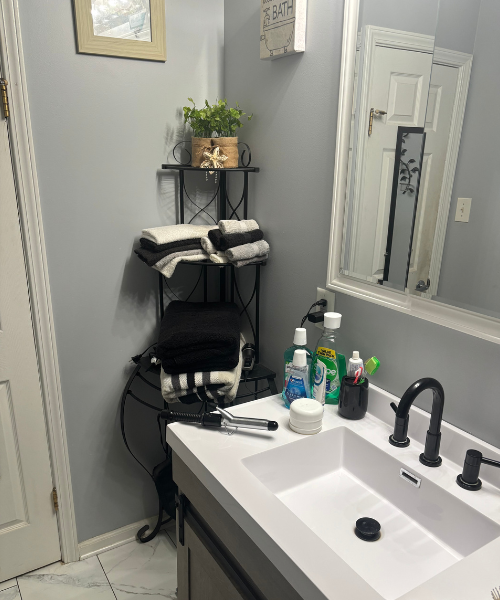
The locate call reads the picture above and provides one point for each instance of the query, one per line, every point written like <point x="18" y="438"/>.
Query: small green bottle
<point x="329" y="365"/>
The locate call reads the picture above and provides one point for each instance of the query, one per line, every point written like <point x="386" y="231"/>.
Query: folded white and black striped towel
<point x="203" y="383"/>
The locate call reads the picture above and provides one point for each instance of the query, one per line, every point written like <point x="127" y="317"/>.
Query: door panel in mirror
<point x="393" y="84"/>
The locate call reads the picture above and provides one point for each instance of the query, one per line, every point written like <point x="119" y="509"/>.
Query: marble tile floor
<point x="134" y="570"/>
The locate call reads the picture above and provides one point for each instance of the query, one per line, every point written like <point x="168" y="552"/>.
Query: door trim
<point x="30" y="216"/>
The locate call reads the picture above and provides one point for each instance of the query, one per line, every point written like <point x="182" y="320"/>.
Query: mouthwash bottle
<point x="329" y="365"/>
<point x="298" y="379"/>
<point x="299" y="342"/>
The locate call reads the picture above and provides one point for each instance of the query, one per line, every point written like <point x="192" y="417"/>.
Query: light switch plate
<point x="463" y="210"/>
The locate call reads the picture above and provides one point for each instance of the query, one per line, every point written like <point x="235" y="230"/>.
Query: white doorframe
<point x="462" y="61"/>
<point x="30" y="215"/>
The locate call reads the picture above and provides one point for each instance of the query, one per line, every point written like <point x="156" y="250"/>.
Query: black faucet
<point x="430" y="456"/>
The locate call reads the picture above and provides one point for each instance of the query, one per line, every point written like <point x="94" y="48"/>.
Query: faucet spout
<point x="430" y="457"/>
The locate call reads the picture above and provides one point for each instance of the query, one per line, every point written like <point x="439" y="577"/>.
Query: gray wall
<point x="457" y="22"/>
<point x="469" y="271"/>
<point x="293" y="140"/>
<point x="102" y="127"/>
<point x="394" y="15"/>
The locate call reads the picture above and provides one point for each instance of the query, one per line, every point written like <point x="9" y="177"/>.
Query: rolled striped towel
<point x="233" y="226"/>
<point x="250" y="261"/>
<point x="248" y="251"/>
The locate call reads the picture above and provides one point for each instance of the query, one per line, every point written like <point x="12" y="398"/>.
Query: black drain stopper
<point x="367" y="529"/>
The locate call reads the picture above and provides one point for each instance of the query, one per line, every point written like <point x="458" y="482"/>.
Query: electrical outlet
<point x="329" y="296"/>
<point x="463" y="210"/>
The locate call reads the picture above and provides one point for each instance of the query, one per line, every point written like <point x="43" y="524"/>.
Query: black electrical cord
<point x="138" y="357"/>
<point x="163" y="443"/>
<point x="318" y="303"/>
<point x="125" y="395"/>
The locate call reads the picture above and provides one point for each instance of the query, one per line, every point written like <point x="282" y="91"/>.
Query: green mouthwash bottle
<point x="299" y="342"/>
<point x="329" y="365"/>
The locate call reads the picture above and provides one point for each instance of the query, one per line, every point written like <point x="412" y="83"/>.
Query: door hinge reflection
<point x="5" y="97"/>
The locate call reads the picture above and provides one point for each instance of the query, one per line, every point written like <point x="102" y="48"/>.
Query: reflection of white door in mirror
<point x="445" y="114"/>
<point x="395" y="75"/>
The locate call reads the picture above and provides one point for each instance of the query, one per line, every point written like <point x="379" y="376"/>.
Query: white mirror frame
<point x="481" y="326"/>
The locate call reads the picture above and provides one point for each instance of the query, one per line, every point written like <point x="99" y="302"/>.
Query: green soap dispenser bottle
<point x="329" y="365"/>
<point x="299" y="342"/>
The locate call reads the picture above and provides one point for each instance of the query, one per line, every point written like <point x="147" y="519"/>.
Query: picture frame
<point x="133" y="30"/>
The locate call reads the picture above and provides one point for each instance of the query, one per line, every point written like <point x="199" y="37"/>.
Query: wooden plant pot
<point x="228" y="146"/>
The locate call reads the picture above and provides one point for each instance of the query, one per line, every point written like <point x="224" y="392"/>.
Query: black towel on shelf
<point x="230" y="240"/>
<point x="199" y="336"/>
<point x="149" y="245"/>
<point x="151" y="258"/>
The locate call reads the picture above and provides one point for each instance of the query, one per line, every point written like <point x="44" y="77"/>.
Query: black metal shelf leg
<point x="222" y="215"/>
<point x="257" y="313"/>
<point x="205" y="284"/>
<point x="160" y="291"/>
<point x="245" y="195"/>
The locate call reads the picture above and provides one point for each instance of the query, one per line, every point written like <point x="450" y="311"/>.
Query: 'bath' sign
<point x="282" y="28"/>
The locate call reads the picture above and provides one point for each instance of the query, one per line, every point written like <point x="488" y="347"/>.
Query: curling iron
<point x="223" y="418"/>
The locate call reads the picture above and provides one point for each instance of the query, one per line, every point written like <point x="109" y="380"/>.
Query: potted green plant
<point x="214" y="126"/>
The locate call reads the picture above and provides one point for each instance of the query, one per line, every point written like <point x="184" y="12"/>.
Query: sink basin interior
<point x="336" y="477"/>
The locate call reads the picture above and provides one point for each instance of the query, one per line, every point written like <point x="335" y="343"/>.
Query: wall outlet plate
<point x="322" y="294"/>
<point x="463" y="210"/>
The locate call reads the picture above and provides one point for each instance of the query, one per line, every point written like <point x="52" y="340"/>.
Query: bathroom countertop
<point x="308" y="563"/>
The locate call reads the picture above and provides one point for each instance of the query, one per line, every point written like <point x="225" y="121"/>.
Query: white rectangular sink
<point x="331" y="479"/>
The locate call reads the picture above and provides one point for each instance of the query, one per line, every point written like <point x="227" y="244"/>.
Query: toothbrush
<point x="358" y="374"/>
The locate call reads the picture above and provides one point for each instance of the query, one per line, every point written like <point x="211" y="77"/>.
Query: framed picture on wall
<point x="127" y="28"/>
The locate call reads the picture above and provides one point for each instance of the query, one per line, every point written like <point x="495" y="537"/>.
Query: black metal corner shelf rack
<point x="228" y="287"/>
<point x="148" y="373"/>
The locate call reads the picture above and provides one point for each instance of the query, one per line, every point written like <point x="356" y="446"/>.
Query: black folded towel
<point x="199" y="336"/>
<point x="149" y="245"/>
<point x="151" y="258"/>
<point x="230" y="240"/>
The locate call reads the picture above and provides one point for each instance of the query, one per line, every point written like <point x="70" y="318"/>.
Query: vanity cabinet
<point x="200" y="576"/>
<point x="216" y="560"/>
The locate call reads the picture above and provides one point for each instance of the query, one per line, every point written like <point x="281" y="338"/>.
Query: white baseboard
<point x="116" y="538"/>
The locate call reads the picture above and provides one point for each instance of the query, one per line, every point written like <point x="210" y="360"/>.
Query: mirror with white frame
<point x="415" y="143"/>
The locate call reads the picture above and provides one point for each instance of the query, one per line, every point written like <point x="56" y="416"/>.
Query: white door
<point x="442" y="96"/>
<point x="399" y="85"/>
<point x="28" y="523"/>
